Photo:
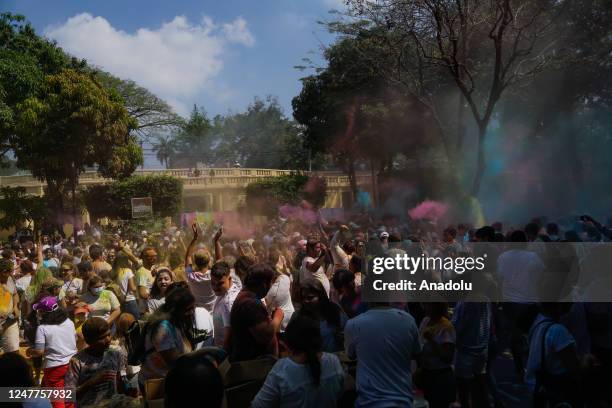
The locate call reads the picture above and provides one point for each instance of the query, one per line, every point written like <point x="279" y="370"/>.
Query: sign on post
<point x="142" y="207"/>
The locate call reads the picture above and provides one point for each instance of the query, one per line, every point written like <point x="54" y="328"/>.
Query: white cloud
<point x="175" y="61"/>
<point x="238" y="32"/>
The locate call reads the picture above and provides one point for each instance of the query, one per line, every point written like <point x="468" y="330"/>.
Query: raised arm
<point x="217" y="242"/>
<point x="189" y="251"/>
<point x="39" y="251"/>
<point x="126" y="249"/>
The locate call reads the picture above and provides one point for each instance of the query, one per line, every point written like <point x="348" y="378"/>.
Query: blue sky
<point x="217" y="54"/>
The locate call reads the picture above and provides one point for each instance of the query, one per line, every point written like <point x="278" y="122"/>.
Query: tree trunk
<point x="374" y="181"/>
<point x="460" y="123"/>
<point x="480" y="160"/>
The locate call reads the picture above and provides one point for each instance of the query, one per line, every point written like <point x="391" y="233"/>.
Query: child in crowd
<point x="95" y="372"/>
<point x="56" y="341"/>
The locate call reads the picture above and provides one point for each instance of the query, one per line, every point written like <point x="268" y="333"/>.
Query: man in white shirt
<point x="312" y="264"/>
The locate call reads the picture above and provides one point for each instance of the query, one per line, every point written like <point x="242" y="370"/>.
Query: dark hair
<point x="552" y="229"/>
<point x="451" y="231"/>
<point x="77" y="251"/>
<point x="94" y="280"/>
<point x="58" y="316"/>
<point x="26" y="266"/>
<point x="327" y="309"/>
<point x="439" y="309"/>
<point x="93" y="328"/>
<point x="242" y="265"/>
<point x="84" y="267"/>
<point x="6" y="265"/>
<point x="7" y="253"/>
<point x="154" y="289"/>
<point x="348" y="247"/>
<point x="485" y="233"/>
<point x="572" y="236"/>
<point x="15" y="372"/>
<point x="220" y="270"/>
<point x="259" y="274"/>
<point x="311" y="244"/>
<point x="95" y="251"/>
<point x="341" y="278"/>
<point x="303" y="335"/>
<point x="356" y="262"/>
<point x="532" y="229"/>
<point x="518" y="236"/>
<point x="192" y="376"/>
<point x="178" y="298"/>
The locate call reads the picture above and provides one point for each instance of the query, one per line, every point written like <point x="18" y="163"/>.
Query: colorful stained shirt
<point x="102" y="305"/>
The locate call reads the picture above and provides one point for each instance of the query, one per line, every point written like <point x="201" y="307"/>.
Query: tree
<point x="164" y="149"/>
<point x="18" y="208"/>
<point x="25" y="59"/>
<point x="487" y="47"/>
<point x="152" y="113"/>
<point x="268" y="195"/>
<point x="72" y="124"/>
<point x="261" y="137"/>
<point x="193" y="141"/>
<point x="114" y="199"/>
<point x="351" y="110"/>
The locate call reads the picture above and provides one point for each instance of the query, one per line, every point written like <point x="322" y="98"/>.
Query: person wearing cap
<point x="384" y="239"/>
<point x="56" y="341"/>
<point x="81" y="313"/>
<point x="9" y="309"/>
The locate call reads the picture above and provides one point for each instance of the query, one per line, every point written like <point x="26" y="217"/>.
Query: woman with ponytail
<point x="308" y="377"/>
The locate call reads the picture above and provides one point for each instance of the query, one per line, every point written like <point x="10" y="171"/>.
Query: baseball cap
<point x="46" y="304"/>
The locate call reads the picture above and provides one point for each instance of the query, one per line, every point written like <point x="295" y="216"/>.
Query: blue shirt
<point x="384" y="341"/>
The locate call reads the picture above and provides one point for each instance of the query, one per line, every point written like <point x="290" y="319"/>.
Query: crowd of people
<point x="105" y="312"/>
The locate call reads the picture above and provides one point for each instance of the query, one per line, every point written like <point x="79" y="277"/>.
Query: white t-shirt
<point x="519" y="272"/>
<point x="58" y="341"/>
<point x="384" y="341"/>
<point x="221" y="314"/>
<point x="199" y="283"/>
<point x="290" y="385"/>
<point x="74" y="285"/>
<point x="123" y="279"/>
<point x="23" y="282"/>
<point x="204" y="322"/>
<point x="557" y="339"/>
<point x="279" y="296"/>
<point x="101" y="306"/>
<point x="319" y="274"/>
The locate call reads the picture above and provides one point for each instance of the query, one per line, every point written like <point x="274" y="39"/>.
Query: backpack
<point x="135" y="338"/>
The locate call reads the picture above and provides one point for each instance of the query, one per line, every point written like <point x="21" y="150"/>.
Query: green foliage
<point x="17" y="208"/>
<point x="114" y="199"/>
<point x="193" y="141"/>
<point x="152" y="113"/>
<point x="261" y="137"/>
<point x="72" y="124"/>
<point x="266" y="196"/>
<point x="25" y="59"/>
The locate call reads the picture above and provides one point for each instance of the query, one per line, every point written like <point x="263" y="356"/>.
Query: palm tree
<point x="164" y="149"/>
